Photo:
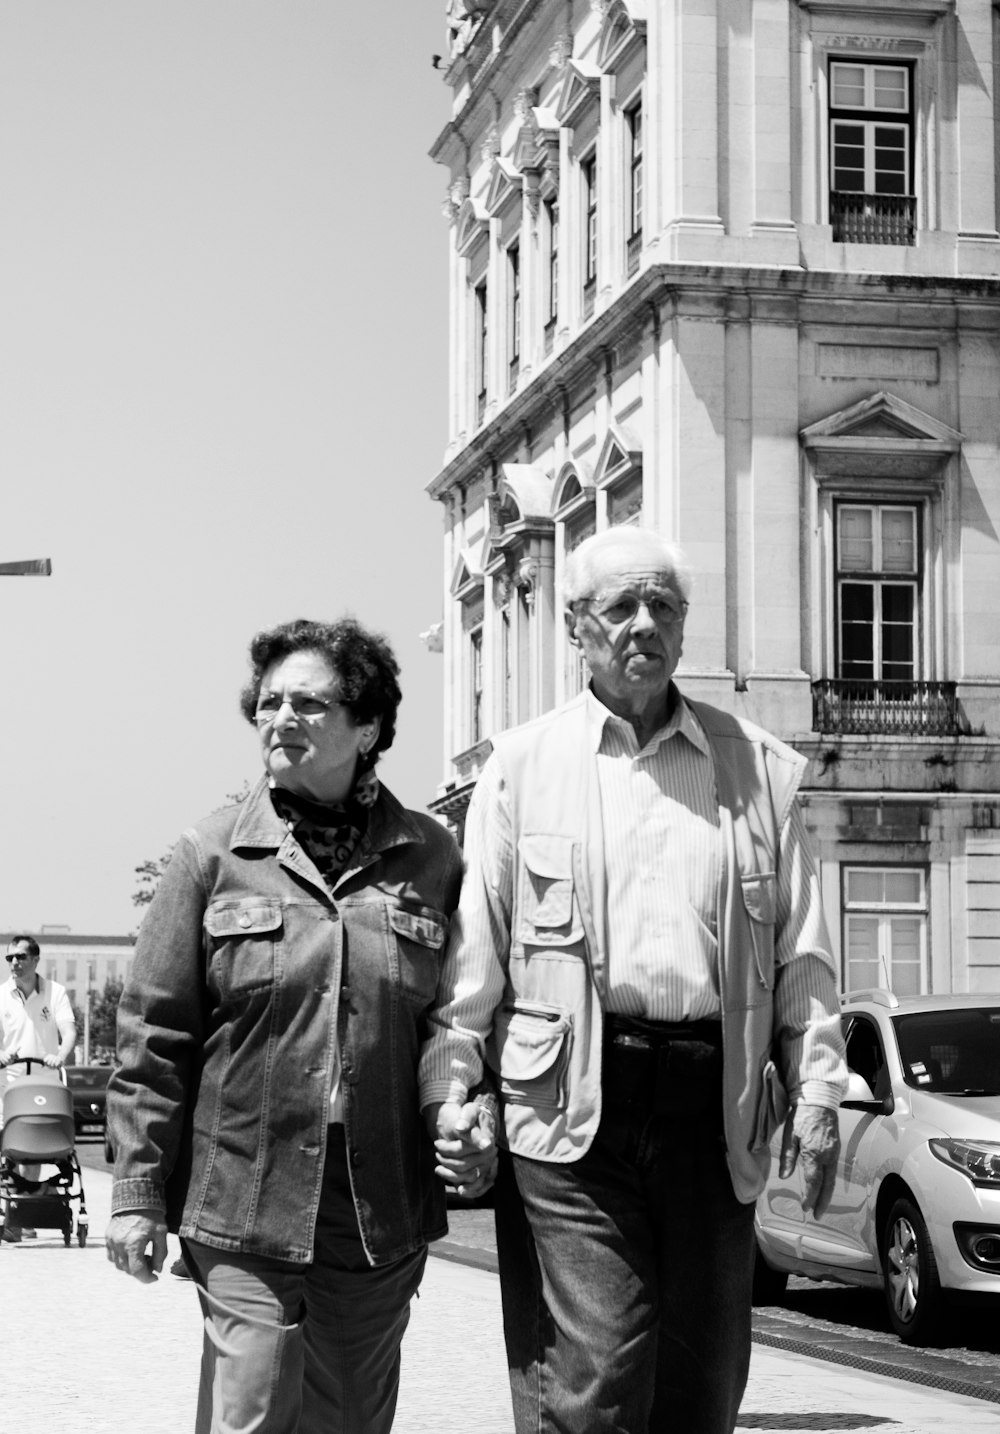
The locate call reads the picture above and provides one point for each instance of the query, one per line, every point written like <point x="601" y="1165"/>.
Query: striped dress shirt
<point x="663" y="860"/>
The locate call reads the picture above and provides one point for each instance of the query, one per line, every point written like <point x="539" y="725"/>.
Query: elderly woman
<point x="265" y="1101"/>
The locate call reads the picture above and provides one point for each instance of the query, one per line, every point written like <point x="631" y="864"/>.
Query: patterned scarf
<point x="328" y="833"/>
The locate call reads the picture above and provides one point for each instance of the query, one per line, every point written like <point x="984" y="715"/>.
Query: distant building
<point x="731" y="270"/>
<point x="77" y="962"/>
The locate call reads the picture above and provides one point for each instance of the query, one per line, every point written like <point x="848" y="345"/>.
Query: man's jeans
<point x="303" y="1349"/>
<point x="626" y="1275"/>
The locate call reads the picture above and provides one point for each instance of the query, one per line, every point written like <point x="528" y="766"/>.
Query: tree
<point x="103" y="1013"/>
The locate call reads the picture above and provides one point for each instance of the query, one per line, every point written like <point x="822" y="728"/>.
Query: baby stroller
<point x="38" y="1129"/>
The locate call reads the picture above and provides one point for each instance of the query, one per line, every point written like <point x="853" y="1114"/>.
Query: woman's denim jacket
<point x="244" y="970"/>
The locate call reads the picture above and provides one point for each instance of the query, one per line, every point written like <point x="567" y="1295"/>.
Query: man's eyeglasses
<point x="665" y="611"/>
<point x="306" y="706"/>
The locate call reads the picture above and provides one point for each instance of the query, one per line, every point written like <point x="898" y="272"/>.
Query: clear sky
<point x="223" y="329"/>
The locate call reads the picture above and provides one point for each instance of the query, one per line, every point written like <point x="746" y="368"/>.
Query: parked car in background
<point x="916" y="1207"/>
<point x="89" y="1088"/>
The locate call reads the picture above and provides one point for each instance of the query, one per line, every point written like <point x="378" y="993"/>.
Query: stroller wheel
<point x="67" y="1236"/>
<point x="81" y="1235"/>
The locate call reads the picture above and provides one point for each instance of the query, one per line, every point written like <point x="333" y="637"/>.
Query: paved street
<point x="89" y="1351"/>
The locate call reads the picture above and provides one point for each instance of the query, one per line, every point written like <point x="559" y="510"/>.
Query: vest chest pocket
<point x="241" y="937"/>
<point x="549" y="911"/>
<point x="419" y="941"/>
<point x="760" y="898"/>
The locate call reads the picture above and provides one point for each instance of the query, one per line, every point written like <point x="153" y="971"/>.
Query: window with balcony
<point x="877" y="599"/>
<point x="871" y="153"/>
<point x="885" y="573"/>
<point x="633" y="225"/>
<point x="551" y="271"/>
<point x="482" y="347"/>
<point x="885" y="929"/>
<point x="588" y="175"/>
<point x="513" y="316"/>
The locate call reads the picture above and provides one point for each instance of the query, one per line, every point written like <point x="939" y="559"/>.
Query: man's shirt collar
<point x="681" y="722"/>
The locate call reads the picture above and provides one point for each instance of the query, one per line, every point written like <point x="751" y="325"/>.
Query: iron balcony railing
<point x="851" y="707"/>
<point x="872" y="218"/>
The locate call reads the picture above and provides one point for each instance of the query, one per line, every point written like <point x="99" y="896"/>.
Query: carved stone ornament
<point x="491" y="143"/>
<point x="528" y="573"/>
<point x="561" y="50"/>
<point x="462" y="20"/>
<point x="524" y="102"/>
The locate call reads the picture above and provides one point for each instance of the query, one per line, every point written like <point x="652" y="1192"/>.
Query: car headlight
<point x="978" y="1159"/>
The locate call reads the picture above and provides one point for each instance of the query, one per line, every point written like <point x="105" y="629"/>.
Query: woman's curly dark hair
<point x="363" y="661"/>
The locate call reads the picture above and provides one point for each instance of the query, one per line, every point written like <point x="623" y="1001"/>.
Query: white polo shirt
<point x="33" y="1025"/>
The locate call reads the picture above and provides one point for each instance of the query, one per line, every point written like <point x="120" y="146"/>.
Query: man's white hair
<point x="579" y="577"/>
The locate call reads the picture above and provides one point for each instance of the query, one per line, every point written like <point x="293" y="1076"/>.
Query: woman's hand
<point x="127" y="1239"/>
<point x="465" y="1142"/>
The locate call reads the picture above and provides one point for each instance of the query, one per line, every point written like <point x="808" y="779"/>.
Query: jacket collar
<point x="259" y="826"/>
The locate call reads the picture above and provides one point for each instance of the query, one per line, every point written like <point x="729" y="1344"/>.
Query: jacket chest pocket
<point x="420" y="938"/>
<point x="760" y="896"/>
<point x="549" y="906"/>
<point x="241" y="937"/>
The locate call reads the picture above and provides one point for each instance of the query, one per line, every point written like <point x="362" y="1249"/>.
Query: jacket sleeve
<point x="807" y="1027"/>
<point x="161" y="1020"/>
<point x="474" y="974"/>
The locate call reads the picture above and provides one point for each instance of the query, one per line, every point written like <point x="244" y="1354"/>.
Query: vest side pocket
<point x="532" y="1043"/>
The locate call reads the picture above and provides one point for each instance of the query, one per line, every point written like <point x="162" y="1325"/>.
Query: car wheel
<point x="768" y="1285"/>
<point x="912" y="1287"/>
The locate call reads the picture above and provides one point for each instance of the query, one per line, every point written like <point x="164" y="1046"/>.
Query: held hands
<point x="812" y="1136"/>
<point x="465" y="1142"/>
<point x="126" y="1240"/>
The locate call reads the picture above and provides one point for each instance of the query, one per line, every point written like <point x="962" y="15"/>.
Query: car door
<point x="841" y="1237"/>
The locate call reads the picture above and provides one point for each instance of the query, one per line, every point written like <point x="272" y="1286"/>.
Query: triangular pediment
<point x="504" y="188"/>
<point x="471" y="227"/>
<point x="879" y="419"/>
<point x="581" y="88"/>
<point x="467" y="573"/>
<point x="620" y="452"/>
<point x="624" y="28"/>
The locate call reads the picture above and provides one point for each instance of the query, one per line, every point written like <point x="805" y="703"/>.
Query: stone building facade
<point x="731" y="269"/>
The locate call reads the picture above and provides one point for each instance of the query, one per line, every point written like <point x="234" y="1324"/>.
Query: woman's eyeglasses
<point x="306" y="706"/>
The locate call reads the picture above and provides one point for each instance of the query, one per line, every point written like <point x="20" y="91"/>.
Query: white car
<point x="916" y="1207"/>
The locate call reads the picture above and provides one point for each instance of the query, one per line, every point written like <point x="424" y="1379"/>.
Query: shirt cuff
<point x="443" y="1092"/>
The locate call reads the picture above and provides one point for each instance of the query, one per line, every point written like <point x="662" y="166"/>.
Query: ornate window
<point x="879" y="575"/>
<point x="481" y="318"/>
<point x="634" y="182"/>
<point x="588" y="176"/>
<point x="551" y="240"/>
<point x="513" y="315"/>
<point x="618" y="472"/>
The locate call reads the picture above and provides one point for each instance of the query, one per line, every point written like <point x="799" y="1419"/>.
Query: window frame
<point x="514" y="314"/>
<point x="589" y="233"/>
<point x="481" y="342"/>
<point x="880" y="580"/>
<point x="884" y="912"/>
<point x="897" y="228"/>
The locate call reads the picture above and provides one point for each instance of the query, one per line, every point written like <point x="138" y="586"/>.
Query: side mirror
<point x="859" y="1096"/>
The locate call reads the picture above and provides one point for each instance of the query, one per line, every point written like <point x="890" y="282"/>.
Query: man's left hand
<point x="812" y="1137"/>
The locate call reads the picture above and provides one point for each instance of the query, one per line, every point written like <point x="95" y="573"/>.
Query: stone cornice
<point x="716" y="292"/>
<point x="907" y="9"/>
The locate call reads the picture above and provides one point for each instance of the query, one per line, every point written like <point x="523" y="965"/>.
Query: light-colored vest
<point x="547" y="1035"/>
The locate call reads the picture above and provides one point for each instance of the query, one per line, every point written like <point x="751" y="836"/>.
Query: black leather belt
<point x="671" y="1068"/>
<point x="633" y="1033"/>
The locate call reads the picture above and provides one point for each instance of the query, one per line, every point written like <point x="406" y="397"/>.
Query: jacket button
<point x="244" y="919"/>
<point x="356" y="1158"/>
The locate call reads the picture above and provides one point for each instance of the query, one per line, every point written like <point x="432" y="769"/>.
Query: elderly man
<point x="643" y="959"/>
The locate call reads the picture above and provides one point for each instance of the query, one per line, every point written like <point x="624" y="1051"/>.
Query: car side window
<point x="866" y="1056"/>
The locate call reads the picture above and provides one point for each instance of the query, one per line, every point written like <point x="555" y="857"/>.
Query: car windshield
<point x="83" y="1078"/>
<point x="952" y="1052"/>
